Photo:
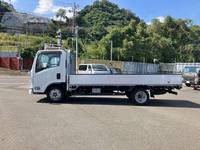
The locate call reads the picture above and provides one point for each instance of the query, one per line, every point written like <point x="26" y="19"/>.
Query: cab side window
<point x="47" y="60"/>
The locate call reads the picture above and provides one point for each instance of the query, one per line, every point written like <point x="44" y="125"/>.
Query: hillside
<point x="5" y="7"/>
<point x="169" y="41"/>
<point x="98" y="18"/>
<point x="28" y="45"/>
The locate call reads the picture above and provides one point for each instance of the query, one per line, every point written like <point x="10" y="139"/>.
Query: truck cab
<point x="190" y="73"/>
<point x="50" y="68"/>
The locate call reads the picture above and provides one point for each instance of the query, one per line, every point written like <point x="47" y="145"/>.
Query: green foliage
<point x="98" y="18"/>
<point x="62" y="15"/>
<point x="5" y="7"/>
<point x="170" y="41"/>
<point x="54" y="26"/>
<point x="28" y="45"/>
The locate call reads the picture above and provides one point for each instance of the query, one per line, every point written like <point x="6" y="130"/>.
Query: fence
<point x="140" y="68"/>
<point x="127" y="67"/>
<point x="115" y="64"/>
<point x="176" y="67"/>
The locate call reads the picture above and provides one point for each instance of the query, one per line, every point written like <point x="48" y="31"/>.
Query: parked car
<point x="116" y="71"/>
<point x="93" y="69"/>
<point x="190" y="74"/>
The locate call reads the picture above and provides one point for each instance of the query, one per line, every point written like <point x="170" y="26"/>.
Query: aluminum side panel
<point x="160" y="80"/>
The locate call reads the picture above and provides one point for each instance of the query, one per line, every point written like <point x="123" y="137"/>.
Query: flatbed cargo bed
<point x="126" y="80"/>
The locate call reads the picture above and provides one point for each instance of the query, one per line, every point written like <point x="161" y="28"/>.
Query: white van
<point x="93" y="69"/>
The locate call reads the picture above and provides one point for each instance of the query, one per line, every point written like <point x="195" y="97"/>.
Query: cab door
<point x="49" y="69"/>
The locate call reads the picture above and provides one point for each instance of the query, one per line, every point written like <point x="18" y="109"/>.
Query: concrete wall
<point x="8" y="54"/>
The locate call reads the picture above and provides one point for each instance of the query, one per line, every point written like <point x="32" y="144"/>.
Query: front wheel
<point x="195" y="87"/>
<point x="55" y="94"/>
<point x="139" y="97"/>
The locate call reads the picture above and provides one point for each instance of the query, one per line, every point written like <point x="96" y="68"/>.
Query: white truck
<point x="53" y="73"/>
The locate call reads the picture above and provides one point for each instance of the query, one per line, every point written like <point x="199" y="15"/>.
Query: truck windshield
<point x="191" y="69"/>
<point x="47" y="60"/>
<point x="99" y="68"/>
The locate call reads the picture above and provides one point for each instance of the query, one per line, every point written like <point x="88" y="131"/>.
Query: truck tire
<point x="195" y="87"/>
<point x="188" y="85"/>
<point x="139" y="97"/>
<point x="55" y="94"/>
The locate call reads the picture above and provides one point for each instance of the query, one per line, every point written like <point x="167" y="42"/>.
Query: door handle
<point x="58" y="76"/>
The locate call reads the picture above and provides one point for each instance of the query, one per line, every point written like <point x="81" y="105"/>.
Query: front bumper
<point x="189" y="82"/>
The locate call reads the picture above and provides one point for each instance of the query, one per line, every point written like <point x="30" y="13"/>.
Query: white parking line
<point x="13" y="83"/>
<point x="1" y="76"/>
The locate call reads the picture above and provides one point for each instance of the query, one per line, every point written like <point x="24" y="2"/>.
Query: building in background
<point x="15" y="22"/>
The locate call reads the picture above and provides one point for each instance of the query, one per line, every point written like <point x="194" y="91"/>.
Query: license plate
<point x="96" y="91"/>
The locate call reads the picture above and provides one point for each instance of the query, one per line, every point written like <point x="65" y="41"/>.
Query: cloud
<point x="149" y="23"/>
<point x="44" y="6"/>
<point x="161" y="19"/>
<point x="69" y="11"/>
<point x="58" y="18"/>
<point x="10" y="1"/>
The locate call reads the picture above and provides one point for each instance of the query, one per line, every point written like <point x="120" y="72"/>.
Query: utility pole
<point x="74" y="17"/>
<point x="111" y="51"/>
<point x="75" y="7"/>
<point x="76" y="33"/>
<point x="59" y="38"/>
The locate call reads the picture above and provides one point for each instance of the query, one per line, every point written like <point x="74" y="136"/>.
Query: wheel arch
<point x="61" y="85"/>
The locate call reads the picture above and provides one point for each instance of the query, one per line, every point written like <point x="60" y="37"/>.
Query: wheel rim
<point x="141" y="97"/>
<point x="55" y="94"/>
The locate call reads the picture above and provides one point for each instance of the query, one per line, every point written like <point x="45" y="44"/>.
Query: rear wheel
<point x="139" y="97"/>
<point x="55" y="94"/>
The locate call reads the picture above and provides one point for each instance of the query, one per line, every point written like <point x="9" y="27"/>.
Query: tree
<point x="102" y="16"/>
<point x="61" y="14"/>
<point x="5" y="7"/>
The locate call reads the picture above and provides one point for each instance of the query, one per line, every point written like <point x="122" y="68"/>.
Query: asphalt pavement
<point x="169" y="122"/>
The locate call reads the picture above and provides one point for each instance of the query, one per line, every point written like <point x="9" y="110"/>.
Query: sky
<point x="145" y="9"/>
